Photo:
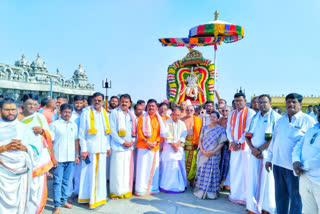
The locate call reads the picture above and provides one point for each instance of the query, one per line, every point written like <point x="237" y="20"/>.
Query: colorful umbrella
<point x="212" y="33"/>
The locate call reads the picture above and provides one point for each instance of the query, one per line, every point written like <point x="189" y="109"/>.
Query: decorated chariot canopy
<point x="193" y="78"/>
<point x="212" y="33"/>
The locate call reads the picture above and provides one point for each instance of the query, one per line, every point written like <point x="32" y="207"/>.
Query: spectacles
<point x="189" y="110"/>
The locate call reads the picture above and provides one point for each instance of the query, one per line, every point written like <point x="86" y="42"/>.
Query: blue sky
<point x="119" y="40"/>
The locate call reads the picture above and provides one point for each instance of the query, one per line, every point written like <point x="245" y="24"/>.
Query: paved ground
<point x="158" y="203"/>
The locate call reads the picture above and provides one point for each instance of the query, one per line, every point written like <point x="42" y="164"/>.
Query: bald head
<point x="176" y="114"/>
<point x="51" y="104"/>
<point x="183" y="105"/>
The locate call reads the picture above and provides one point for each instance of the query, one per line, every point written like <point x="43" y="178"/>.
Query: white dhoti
<point x="310" y="195"/>
<point x="121" y="174"/>
<point x="93" y="183"/>
<point x="238" y="176"/>
<point x="38" y="194"/>
<point x="14" y="180"/>
<point x="260" y="188"/>
<point x="173" y="176"/>
<point x="147" y="176"/>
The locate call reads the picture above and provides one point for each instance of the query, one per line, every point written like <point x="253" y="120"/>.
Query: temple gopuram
<point x="23" y="77"/>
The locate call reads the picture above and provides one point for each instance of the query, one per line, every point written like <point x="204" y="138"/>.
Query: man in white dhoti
<point x="123" y="138"/>
<point x="78" y="103"/>
<point x="289" y="129"/>
<point x="260" y="188"/>
<point x="173" y="177"/>
<point x="150" y="129"/>
<point x="238" y="123"/>
<point x="95" y="147"/>
<point x="39" y="134"/>
<point x="306" y="164"/>
<point x="16" y="157"/>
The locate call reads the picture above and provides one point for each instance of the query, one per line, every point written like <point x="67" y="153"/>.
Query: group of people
<point x="269" y="162"/>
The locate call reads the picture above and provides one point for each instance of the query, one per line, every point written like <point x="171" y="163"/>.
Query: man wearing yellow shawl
<point x="123" y="138"/>
<point x="39" y="134"/>
<point x="193" y="124"/>
<point x="94" y="135"/>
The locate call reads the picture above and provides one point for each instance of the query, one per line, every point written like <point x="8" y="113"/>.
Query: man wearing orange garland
<point x="151" y="129"/>
<point x="238" y="123"/>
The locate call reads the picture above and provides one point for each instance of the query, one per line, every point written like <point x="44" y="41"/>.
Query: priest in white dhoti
<point x="260" y="188"/>
<point x="151" y="130"/>
<point x="238" y="123"/>
<point x="123" y="138"/>
<point x="16" y="157"/>
<point x="38" y="133"/>
<point x="95" y="146"/>
<point x="173" y="176"/>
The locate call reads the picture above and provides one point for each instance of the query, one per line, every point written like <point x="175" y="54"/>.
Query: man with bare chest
<point x="183" y="107"/>
<point x="193" y="124"/>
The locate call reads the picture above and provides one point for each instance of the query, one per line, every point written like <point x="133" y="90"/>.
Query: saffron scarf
<point x="269" y="128"/>
<point x="241" y="126"/>
<point x="147" y="126"/>
<point x="122" y="123"/>
<point x="92" y="130"/>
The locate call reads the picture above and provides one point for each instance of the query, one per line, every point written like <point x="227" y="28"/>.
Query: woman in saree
<point x="212" y="139"/>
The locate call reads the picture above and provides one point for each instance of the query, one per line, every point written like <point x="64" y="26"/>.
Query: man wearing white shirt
<point x="306" y="164"/>
<point x="123" y="137"/>
<point x="290" y="128"/>
<point x="173" y="176"/>
<point x="64" y="134"/>
<point x="238" y="123"/>
<point x="94" y="135"/>
<point x="260" y="188"/>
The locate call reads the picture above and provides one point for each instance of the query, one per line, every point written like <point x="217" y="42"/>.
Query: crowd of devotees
<point x="264" y="159"/>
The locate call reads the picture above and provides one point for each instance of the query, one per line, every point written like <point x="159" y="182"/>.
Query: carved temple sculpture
<point x="21" y="78"/>
<point x="191" y="78"/>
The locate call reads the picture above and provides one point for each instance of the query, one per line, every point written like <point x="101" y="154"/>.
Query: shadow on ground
<point x="153" y="204"/>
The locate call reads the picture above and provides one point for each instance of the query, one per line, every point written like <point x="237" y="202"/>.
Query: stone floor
<point x="158" y="203"/>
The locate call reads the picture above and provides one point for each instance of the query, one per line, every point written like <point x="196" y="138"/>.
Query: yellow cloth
<point x="92" y="130"/>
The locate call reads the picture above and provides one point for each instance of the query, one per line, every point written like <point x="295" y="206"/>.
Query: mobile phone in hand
<point x="87" y="160"/>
